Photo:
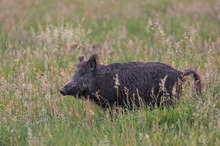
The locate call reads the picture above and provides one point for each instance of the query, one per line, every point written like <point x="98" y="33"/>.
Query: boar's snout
<point x="69" y="89"/>
<point x="63" y="92"/>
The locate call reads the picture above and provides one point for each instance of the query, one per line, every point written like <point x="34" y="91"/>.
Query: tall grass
<point x="41" y="40"/>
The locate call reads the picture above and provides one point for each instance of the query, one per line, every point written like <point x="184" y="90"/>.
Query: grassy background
<point x="39" y="45"/>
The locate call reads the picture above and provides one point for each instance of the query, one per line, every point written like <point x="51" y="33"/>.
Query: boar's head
<point x="84" y="75"/>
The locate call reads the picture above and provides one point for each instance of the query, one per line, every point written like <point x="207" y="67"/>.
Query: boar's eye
<point x="82" y="73"/>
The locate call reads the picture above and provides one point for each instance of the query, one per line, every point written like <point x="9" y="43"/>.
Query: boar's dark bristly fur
<point x="128" y="84"/>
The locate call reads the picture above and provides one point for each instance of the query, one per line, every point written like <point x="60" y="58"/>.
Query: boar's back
<point x="137" y="81"/>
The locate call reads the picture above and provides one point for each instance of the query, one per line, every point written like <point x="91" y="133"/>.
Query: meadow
<point x="40" y="42"/>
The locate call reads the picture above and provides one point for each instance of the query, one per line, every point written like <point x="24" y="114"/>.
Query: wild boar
<point x="131" y="84"/>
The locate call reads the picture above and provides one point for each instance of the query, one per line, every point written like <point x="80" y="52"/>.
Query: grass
<point x="39" y="45"/>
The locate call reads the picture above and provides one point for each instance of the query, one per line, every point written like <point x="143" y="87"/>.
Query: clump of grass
<point x="64" y="35"/>
<point x="182" y="51"/>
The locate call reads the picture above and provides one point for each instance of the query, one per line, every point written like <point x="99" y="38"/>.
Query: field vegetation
<point x="40" y="42"/>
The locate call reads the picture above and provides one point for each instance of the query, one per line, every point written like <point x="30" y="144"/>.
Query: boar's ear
<point x="81" y="58"/>
<point x="92" y="62"/>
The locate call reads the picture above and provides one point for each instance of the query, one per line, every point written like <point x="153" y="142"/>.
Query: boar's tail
<point x="197" y="80"/>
